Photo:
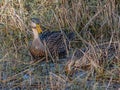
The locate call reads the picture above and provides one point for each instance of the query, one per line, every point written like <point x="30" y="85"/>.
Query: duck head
<point x="35" y="25"/>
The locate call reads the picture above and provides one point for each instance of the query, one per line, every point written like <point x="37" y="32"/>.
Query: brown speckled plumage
<point x="56" y="44"/>
<point x="36" y="50"/>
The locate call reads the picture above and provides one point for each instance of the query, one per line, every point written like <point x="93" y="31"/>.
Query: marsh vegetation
<point x="94" y="22"/>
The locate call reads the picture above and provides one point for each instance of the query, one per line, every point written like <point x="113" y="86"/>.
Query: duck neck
<point x="35" y="34"/>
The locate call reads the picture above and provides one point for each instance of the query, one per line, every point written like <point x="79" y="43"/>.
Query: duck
<point x="52" y="43"/>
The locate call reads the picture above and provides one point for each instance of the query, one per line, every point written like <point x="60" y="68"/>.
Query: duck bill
<point x="38" y="28"/>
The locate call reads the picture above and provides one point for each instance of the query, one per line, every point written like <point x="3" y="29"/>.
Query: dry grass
<point x="95" y="22"/>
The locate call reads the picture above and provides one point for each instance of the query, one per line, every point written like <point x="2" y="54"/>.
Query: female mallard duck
<point x="54" y="42"/>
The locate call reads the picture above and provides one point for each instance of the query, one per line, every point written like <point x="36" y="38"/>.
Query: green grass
<point x="94" y="22"/>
